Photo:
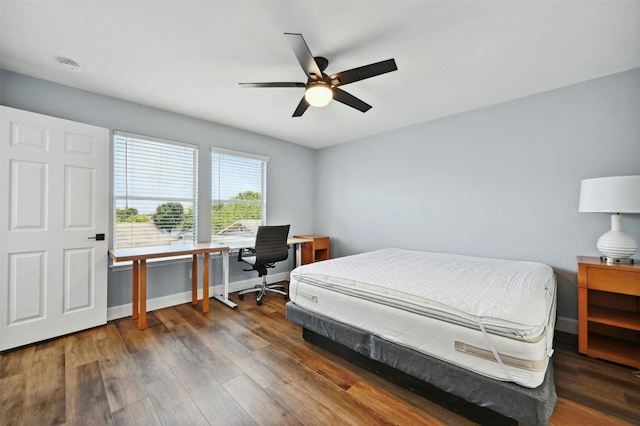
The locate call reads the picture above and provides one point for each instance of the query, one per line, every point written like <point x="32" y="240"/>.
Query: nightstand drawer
<point x="624" y="282"/>
<point x="321" y="243"/>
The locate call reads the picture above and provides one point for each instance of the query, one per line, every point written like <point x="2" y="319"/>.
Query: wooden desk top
<point x="139" y="253"/>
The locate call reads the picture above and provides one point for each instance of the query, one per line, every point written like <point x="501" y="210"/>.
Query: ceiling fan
<point x="321" y="88"/>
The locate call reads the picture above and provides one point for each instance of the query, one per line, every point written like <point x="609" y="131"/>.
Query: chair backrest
<point x="271" y="244"/>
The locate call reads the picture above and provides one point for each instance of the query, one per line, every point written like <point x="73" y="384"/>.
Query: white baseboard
<point x="121" y="311"/>
<point x="568" y="325"/>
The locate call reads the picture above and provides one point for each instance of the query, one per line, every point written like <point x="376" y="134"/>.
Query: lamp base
<point x="616" y="261"/>
<point x="615" y="245"/>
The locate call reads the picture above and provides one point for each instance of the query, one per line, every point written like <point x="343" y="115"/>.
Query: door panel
<point x="28" y="195"/>
<point x="26" y="287"/>
<point x="54" y="184"/>
<point x="78" y="279"/>
<point x="80" y="198"/>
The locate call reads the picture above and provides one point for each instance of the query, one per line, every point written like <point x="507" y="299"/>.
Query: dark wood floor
<point x="251" y="366"/>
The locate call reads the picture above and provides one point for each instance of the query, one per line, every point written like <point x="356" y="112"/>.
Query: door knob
<point x="98" y="237"/>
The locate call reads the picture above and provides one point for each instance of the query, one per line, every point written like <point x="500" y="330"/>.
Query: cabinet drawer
<point x="625" y="282"/>
<point x="321" y="243"/>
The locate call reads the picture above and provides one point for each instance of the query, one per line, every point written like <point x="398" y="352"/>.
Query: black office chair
<point x="271" y="247"/>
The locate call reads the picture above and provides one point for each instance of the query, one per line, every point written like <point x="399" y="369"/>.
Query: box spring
<point x="521" y="404"/>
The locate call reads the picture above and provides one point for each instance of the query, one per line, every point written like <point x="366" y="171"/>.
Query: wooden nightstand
<point x="609" y="311"/>
<point x="316" y="250"/>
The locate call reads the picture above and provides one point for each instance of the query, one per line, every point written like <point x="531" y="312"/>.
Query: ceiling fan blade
<point x="280" y="84"/>
<point x="302" y="52"/>
<point x="350" y="100"/>
<point x="302" y="107"/>
<point x="360" y="73"/>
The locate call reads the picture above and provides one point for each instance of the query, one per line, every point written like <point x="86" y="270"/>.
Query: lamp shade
<point x="617" y="194"/>
<point x="318" y="94"/>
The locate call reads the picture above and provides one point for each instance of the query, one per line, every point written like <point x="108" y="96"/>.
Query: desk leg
<point x="135" y="309"/>
<point x="205" y="282"/>
<point x="224" y="297"/>
<point x="194" y="279"/>
<point x="298" y="250"/>
<point x="142" y="320"/>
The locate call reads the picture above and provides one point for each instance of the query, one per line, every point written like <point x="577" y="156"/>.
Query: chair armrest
<point x="243" y="251"/>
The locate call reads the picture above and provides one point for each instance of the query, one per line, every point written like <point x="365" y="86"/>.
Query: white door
<point x="54" y="189"/>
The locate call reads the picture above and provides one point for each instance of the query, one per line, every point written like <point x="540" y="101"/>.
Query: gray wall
<point x="502" y="181"/>
<point x="290" y="173"/>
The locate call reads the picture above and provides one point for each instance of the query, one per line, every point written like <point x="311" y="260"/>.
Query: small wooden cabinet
<point x="609" y="311"/>
<point x="315" y="250"/>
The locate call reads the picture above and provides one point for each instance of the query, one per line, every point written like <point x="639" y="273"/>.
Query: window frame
<point x="263" y="187"/>
<point x="116" y="197"/>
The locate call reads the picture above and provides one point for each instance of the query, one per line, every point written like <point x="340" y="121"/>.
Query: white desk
<point x="296" y="242"/>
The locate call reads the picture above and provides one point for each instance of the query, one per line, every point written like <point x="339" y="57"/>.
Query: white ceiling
<point x="189" y="56"/>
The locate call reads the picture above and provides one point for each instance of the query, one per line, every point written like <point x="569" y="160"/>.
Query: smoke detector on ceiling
<point x="69" y="65"/>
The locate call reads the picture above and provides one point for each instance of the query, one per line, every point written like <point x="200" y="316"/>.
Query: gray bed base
<point x="524" y="405"/>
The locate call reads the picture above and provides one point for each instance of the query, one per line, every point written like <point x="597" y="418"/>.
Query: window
<point x="238" y="194"/>
<point x="155" y="191"/>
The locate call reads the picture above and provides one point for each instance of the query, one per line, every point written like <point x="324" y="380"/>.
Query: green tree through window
<point x="246" y="205"/>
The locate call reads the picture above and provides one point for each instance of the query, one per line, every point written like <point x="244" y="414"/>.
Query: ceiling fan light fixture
<point x="318" y="94"/>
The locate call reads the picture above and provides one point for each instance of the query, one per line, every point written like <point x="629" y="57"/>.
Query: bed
<point x="479" y="329"/>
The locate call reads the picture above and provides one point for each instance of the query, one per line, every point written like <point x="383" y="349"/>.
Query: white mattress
<point x="491" y="316"/>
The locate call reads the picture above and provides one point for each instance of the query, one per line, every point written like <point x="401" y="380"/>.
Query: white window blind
<point x="238" y="194"/>
<point x="155" y="191"/>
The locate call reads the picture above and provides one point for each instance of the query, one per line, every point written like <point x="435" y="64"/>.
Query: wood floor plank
<point x="310" y="410"/>
<point x="133" y="338"/>
<point x="572" y="413"/>
<point x="305" y="355"/>
<point x="331" y="404"/>
<point x="81" y="348"/>
<point x="122" y="382"/>
<point x="435" y="411"/>
<point x="393" y="408"/>
<point x="284" y="365"/>
<point x="263" y="409"/>
<point x="245" y="359"/>
<point x="140" y="413"/>
<point x="45" y="397"/>
<point x="201" y="350"/>
<point x="108" y="342"/>
<point x="170" y="346"/>
<point x="86" y="397"/>
<point x="16" y="361"/>
<point x="194" y="314"/>
<point x="215" y="403"/>
<point x="170" y="399"/>
<point x="12" y="403"/>
<point x="240" y="333"/>
<point x="598" y="397"/>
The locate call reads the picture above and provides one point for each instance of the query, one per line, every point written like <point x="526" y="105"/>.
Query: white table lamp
<point x="617" y="194"/>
